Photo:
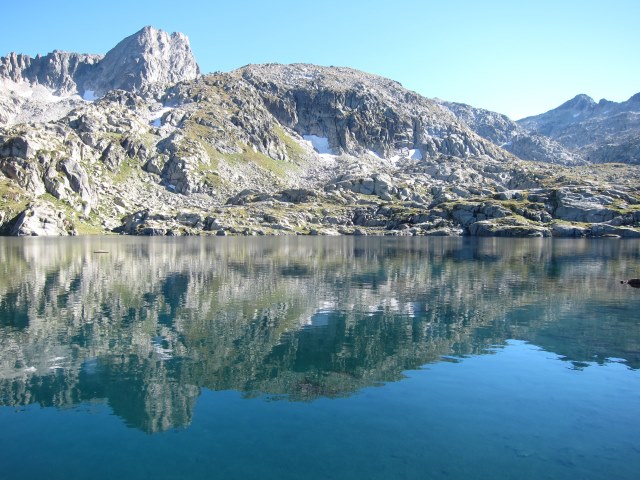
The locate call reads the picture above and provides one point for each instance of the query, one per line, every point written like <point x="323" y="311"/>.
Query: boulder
<point x="487" y="228"/>
<point x="604" y="230"/>
<point x="581" y="205"/>
<point x="568" y="231"/>
<point x="42" y="219"/>
<point x="26" y="173"/>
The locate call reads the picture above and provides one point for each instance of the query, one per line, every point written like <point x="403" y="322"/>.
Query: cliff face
<point x="359" y="112"/>
<point x="271" y="149"/>
<point x="62" y="72"/>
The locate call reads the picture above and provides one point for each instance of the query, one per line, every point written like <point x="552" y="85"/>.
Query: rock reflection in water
<point x="145" y="326"/>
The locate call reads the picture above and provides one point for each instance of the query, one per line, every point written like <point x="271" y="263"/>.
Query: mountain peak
<point x="149" y="56"/>
<point x="579" y="102"/>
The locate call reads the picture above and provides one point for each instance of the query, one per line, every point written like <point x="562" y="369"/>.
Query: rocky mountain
<point x="514" y="138"/>
<point x="272" y="149"/>
<point x="146" y="59"/>
<point x="598" y="132"/>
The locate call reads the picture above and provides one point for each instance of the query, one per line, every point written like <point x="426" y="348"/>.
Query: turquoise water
<point x="319" y="358"/>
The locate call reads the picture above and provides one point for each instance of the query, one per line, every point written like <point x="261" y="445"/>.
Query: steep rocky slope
<point x="298" y="149"/>
<point x="599" y="132"/>
<point x="511" y="136"/>
<point x="359" y="112"/>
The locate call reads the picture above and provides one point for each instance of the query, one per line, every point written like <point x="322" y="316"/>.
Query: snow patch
<point x="576" y="115"/>
<point x="413" y="154"/>
<point x="320" y="144"/>
<point x="155" y="119"/>
<point x="89" y="95"/>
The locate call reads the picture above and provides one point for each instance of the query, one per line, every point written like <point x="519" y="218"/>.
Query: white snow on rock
<point x="24" y="103"/>
<point x="413" y="154"/>
<point x="155" y="118"/>
<point x="320" y="144"/>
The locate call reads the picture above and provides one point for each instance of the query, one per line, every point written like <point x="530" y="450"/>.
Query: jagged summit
<point x="58" y="71"/>
<point x="148" y="57"/>
<point x="504" y="132"/>
<point x="33" y="87"/>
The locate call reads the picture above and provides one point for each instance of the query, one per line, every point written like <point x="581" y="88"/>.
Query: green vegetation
<point x="295" y="152"/>
<point x="13" y="199"/>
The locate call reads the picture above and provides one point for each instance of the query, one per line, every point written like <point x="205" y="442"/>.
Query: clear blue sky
<point x="515" y="57"/>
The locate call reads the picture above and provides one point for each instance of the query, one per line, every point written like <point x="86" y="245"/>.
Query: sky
<point x="519" y="58"/>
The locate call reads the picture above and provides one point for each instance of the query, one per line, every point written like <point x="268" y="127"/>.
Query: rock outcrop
<point x="42" y="219"/>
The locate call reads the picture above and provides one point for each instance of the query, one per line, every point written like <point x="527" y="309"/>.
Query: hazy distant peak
<point x="579" y="102"/>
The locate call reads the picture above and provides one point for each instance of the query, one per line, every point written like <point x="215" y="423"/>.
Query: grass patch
<point x="294" y="150"/>
<point x="13" y="200"/>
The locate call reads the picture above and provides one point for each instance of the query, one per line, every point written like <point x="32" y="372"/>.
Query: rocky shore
<point x="279" y="149"/>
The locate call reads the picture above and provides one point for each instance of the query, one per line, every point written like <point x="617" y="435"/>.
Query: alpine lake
<point x="319" y="358"/>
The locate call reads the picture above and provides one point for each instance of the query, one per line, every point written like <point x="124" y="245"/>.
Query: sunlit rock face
<point x="147" y="58"/>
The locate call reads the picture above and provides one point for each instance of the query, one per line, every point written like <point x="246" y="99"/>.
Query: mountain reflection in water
<point x="145" y="326"/>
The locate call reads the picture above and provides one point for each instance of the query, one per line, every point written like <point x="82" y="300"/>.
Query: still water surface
<point x="342" y="358"/>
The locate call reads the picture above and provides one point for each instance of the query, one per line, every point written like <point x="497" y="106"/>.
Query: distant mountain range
<point x="597" y="132"/>
<point x="137" y="141"/>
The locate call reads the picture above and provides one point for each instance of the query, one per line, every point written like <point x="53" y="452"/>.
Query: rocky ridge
<point x="514" y="138"/>
<point x="148" y="59"/>
<point x="292" y="149"/>
<point x="599" y="132"/>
